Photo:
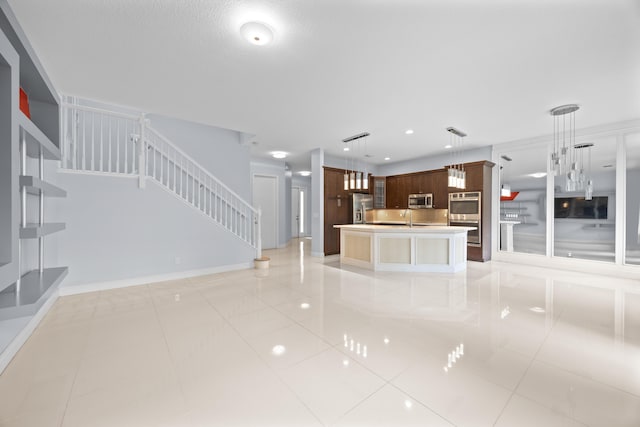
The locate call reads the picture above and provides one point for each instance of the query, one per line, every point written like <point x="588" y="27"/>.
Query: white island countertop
<point x="430" y="248"/>
<point x="384" y="228"/>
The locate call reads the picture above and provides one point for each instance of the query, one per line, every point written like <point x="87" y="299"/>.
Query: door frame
<point x="277" y="204"/>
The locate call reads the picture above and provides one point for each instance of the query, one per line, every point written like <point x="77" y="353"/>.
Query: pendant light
<point x="585" y="181"/>
<point x="564" y="158"/>
<point x="456" y="175"/>
<point x="353" y="179"/>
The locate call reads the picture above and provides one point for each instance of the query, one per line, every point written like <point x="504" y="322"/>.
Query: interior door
<point x="265" y="197"/>
<point x="295" y="212"/>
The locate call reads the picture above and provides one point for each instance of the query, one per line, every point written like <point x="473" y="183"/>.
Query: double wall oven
<point x="464" y="210"/>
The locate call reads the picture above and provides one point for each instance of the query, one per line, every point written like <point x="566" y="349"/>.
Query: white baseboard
<point x="14" y="346"/>
<point x="123" y="283"/>
<point x="317" y="254"/>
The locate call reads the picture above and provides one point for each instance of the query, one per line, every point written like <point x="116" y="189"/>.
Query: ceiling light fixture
<point x="564" y="159"/>
<point x="305" y="173"/>
<point x="456" y="175"/>
<point x="409" y="132"/>
<point x="538" y="174"/>
<point x="279" y="154"/>
<point x="257" y="33"/>
<point x="387" y="158"/>
<point x="356" y="180"/>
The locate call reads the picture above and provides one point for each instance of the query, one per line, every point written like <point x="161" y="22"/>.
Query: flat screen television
<point x="579" y="208"/>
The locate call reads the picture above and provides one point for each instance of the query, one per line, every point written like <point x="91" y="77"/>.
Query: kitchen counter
<point x="437" y="248"/>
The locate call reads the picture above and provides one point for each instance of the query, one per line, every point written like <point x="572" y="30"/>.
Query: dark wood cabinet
<point x="440" y="189"/>
<point x="479" y="177"/>
<point x="393" y="192"/>
<point x="336" y="208"/>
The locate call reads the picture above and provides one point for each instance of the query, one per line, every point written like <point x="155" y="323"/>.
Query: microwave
<point x="420" y="201"/>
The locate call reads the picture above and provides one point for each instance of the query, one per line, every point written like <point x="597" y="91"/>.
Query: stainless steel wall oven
<point x="465" y="210"/>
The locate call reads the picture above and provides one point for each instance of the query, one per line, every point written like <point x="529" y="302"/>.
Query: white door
<point x="265" y="197"/>
<point x="295" y="212"/>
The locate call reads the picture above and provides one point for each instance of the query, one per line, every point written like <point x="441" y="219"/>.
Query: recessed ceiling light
<point x="305" y="305"/>
<point x="345" y="149"/>
<point x="537" y="309"/>
<point x="257" y="33"/>
<point x="409" y="131"/>
<point x="448" y="146"/>
<point x="387" y="158"/>
<point x="279" y="154"/>
<point x="305" y="173"/>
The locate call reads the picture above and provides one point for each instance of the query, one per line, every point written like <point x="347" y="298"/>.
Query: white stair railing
<point x="107" y="142"/>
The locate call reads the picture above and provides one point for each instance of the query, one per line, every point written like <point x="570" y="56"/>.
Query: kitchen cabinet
<point x="378" y="186"/>
<point x="440" y="189"/>
<point x="479" y="176"/>
<point x="393" y="192"/>
<point x="336" y="208"/>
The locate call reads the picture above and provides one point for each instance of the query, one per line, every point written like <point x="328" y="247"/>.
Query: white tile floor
<point x="307" y="343"/>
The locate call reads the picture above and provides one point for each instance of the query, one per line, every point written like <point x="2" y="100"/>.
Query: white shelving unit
<point x="517" y="210"/>
<point x="26" y="284"/>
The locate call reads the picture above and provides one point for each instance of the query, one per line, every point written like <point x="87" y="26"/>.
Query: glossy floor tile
<point x="309" y="343"/>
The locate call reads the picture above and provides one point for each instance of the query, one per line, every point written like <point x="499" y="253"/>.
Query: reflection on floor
<point x="304" y="344"/>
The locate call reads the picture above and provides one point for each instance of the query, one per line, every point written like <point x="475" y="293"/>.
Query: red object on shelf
<point x="509" y="198"/>
<point x="24" y="103"/>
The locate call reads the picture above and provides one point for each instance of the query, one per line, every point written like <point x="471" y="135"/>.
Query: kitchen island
<point x="437" y="248"/>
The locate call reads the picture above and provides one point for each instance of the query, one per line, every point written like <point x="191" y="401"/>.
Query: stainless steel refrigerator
<point x="359" y="204"/>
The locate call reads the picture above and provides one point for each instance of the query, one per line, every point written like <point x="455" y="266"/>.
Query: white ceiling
<point x="340" y="67"/>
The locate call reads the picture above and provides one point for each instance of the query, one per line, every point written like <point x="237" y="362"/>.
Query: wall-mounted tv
<point x="579" y="208"/>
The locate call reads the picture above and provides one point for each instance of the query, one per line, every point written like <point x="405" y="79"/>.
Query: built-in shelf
<point x="37" y="140"/>
<point x="33" y="231"/>
<point x="35" y="186"/>
<point x="35" y="289"/>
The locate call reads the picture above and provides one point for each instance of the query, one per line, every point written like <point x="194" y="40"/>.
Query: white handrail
<point x="96" y="140"/>
<point x="204" y="170"/>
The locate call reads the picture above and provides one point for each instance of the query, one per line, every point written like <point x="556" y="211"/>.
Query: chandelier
<point x="567" y="158"/>
<point x="456" y="175"/>
<point x="354" y="179"/>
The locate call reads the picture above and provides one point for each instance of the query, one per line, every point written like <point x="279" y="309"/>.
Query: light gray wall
<point x="277" y="168"/>
<point x="117" y="231"/>
<point x="433" y="162"/>
<point x="217" y="150"/>
<point x="347" y="163"/>
<point x="317" y="203"/>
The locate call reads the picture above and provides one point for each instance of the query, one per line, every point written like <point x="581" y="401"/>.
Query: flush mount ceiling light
<point x="305" y="173"/>
<point x="409" y="132"/>
<point x="538" y="174"/>
<point x="279" y="154"/>
<point x="257" y="33"/>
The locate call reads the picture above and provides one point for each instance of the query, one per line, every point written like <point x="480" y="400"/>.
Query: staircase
<point x="100" y="141"/>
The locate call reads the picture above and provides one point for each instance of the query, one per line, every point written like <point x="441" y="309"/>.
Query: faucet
<point x="410" y="217"/>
